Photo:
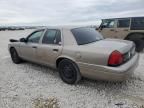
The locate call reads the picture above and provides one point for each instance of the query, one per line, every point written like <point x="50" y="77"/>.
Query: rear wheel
<point x="138" y="39"/>
<point x="69" y="71"/>
<point x="15" y="58"/>
<point x="139" y="45"/>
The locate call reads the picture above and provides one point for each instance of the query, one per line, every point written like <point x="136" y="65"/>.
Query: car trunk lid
<point x="114" y="44"/>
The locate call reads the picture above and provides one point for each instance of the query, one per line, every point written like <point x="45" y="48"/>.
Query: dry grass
<point x="46" y="103"/>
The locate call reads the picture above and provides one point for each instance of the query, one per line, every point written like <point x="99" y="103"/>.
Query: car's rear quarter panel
<point x="83" y="54"/>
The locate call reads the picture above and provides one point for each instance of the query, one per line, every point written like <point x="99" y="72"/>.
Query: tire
<point x="138" y="40"/>
<point x="139" y="45"/>
<point x="69" y="71"/>
<point x="14" y="55"/>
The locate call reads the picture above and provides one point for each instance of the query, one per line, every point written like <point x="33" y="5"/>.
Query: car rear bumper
<point x="119" y="73"/>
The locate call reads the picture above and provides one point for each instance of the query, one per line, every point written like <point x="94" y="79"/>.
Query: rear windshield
<point x="137" y="23"/>
<point x="86" y="35"/>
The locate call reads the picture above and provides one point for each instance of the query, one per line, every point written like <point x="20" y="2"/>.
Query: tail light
<point x="115" y="59"/>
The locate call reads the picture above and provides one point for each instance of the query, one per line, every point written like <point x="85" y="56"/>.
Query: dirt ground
<point x="21" y="85"/>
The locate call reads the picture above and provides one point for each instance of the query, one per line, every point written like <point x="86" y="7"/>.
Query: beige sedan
<point x="77" y="52"/>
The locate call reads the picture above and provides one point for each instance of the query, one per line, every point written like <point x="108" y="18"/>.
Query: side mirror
<point x="22" y="40"/>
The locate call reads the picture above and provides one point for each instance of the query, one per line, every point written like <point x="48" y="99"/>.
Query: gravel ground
<point x="21" y="85"/>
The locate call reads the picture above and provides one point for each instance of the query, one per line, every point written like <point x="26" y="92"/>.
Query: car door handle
<point x="55" y="50"/>
<point x="34" y="46"/>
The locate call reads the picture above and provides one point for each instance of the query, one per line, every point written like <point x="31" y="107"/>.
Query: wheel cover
<point x="68" y="71"/>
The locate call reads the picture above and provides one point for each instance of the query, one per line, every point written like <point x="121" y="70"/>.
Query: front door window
<point x="35" y="37"/>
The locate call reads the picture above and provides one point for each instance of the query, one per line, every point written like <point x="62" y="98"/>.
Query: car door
<point x="50" y="47"/>
<point x="108" y="28"/>
<point x="123" y="27"/>
<point x="28" y="48"/>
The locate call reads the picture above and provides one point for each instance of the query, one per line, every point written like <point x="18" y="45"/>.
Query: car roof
<point x="123" y="17"/>
<point x="61" y="27"/>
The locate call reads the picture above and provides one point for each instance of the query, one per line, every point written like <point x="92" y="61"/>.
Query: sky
<point x="66" y="12"/>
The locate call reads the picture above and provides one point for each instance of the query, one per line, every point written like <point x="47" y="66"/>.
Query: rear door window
<point x="123" y="23"/>
<point x="35" y="37"/>
<point x="52" y="36"/>
<point x="137" y="23"/>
